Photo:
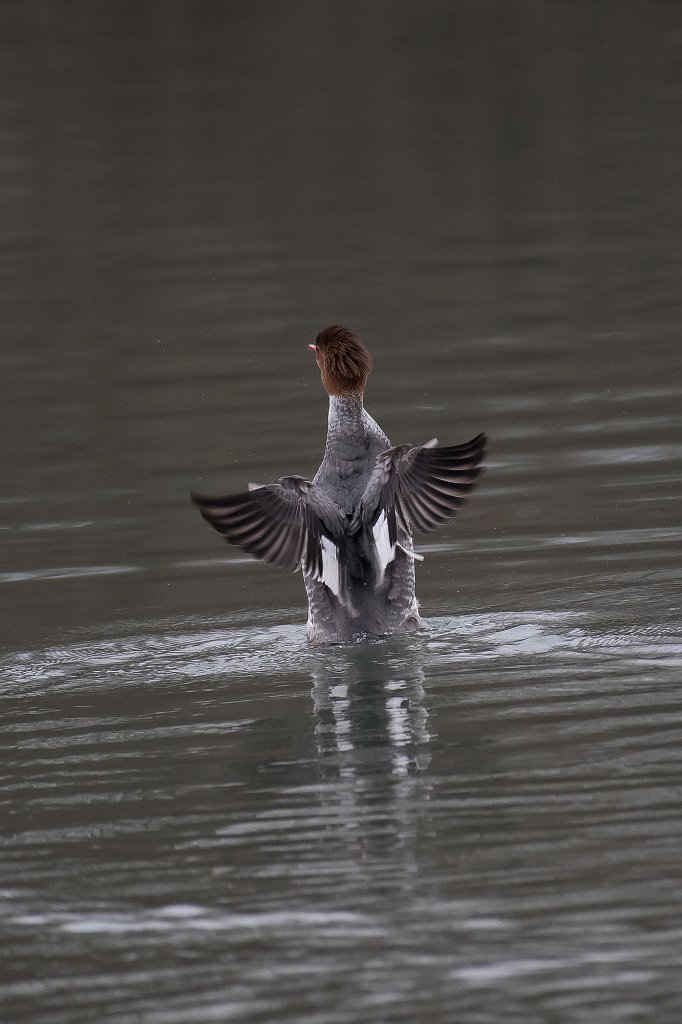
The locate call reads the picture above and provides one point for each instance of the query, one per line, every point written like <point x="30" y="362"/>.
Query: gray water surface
<point x="202" y="818"/>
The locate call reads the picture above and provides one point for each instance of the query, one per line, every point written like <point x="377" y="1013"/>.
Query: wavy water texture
<point x="562" y="745"/>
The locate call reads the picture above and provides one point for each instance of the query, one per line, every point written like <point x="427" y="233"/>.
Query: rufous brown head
<point x="344" y="362"/>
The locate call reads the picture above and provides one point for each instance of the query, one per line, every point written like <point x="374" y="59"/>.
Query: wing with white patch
<point x="289" y="523"/>
<point x="383" y="536"/>
<point x="331" y="576"/>
<point x="415" y="487"/>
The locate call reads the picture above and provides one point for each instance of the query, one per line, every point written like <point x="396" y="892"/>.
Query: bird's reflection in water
<point x="369" y="710"/>
<point x="372" y="737"/>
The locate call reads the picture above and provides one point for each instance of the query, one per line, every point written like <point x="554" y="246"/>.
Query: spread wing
<point x="289" y="523"/>
<point x="415" y="487"/>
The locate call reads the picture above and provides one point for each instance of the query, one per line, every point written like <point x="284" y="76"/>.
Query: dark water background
<point x="202" y="819"/>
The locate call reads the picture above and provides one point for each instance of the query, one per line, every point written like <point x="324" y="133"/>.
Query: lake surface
<point x="202" y="818"/>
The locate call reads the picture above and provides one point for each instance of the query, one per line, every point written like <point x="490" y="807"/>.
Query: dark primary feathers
<point x="292" y="523"/>
<point x="414" y="487"/>
<point x="283" y="523"/>
<point x="424" y="484"/>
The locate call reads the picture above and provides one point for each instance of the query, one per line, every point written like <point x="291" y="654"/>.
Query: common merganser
<point x="350" y="529"/>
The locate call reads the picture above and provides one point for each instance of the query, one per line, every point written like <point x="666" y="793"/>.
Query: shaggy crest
<point x="345" y="364"/>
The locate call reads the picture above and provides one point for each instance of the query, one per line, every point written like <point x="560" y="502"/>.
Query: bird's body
<point x="354" y="442"/>
<point x="350" y="528"/>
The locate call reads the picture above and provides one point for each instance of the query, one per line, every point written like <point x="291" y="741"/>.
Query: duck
<point x="350" y="529"/>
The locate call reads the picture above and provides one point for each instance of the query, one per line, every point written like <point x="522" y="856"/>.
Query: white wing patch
<point x="330" y="565"/>
<point x="385" y="551"/>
